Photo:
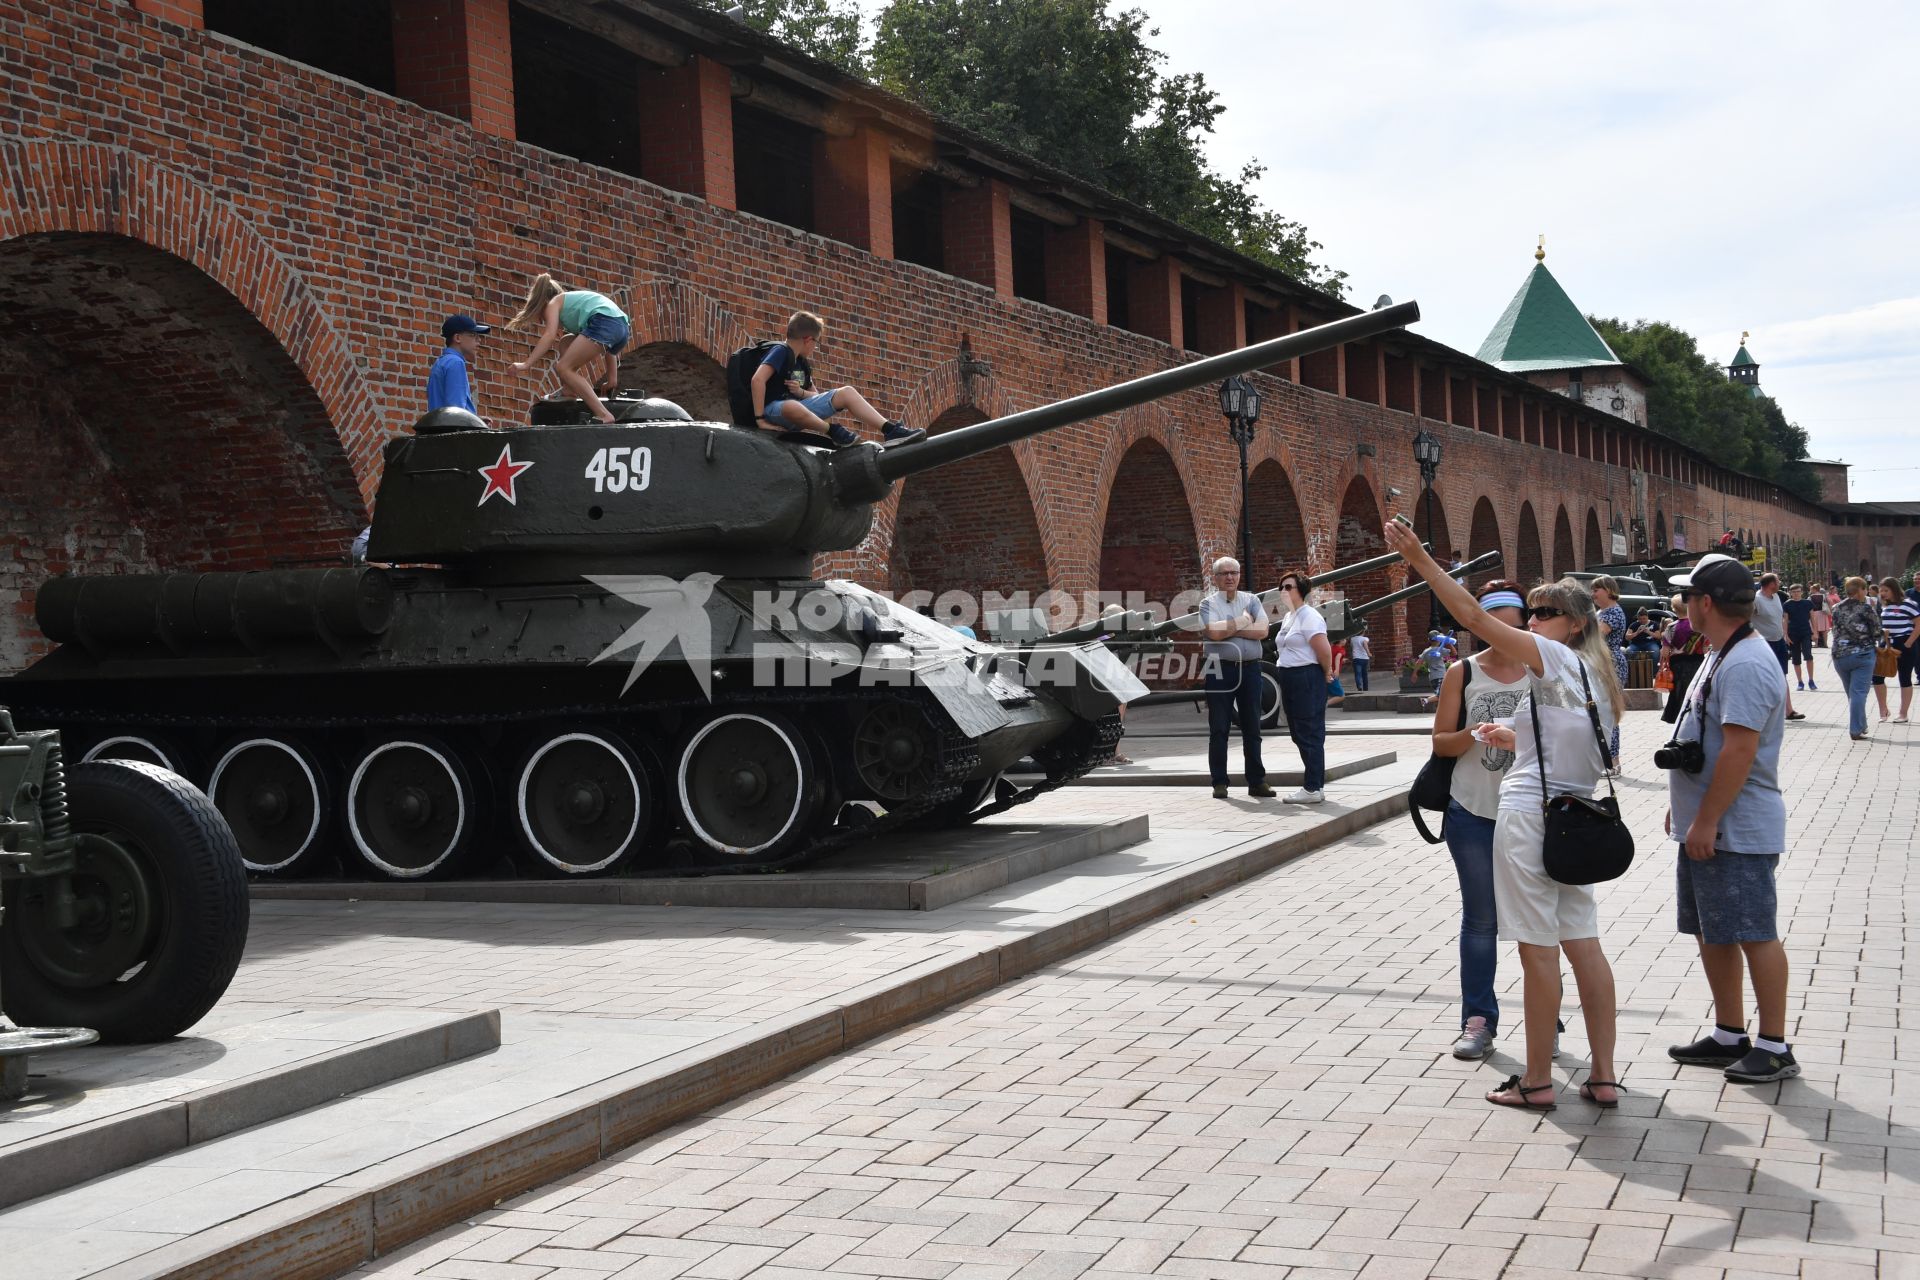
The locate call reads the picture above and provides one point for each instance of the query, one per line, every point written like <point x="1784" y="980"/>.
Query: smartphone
<point x="1403" y="520"/>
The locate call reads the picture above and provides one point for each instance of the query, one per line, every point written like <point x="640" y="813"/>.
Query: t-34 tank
<point x="596" y="643"/>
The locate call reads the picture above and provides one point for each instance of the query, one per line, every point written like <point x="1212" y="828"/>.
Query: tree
<point x="1690" y="398"/>
<point x="829" y="30"/>
<point x="1080" y="89"/>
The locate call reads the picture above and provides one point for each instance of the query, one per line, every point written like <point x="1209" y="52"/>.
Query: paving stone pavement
<point x="1260" y="1086"/>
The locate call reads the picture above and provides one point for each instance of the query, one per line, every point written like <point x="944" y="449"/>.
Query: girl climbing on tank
<point x="600" y="330"/>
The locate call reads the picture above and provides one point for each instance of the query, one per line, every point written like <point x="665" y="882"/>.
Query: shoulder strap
<point x="1593" y="717"/>
<point x="1466" y="678"/>
<point x="1540" y="743"/>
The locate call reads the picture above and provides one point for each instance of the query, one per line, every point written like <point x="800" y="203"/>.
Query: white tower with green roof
<point x="1745" y="370"/>
<point x="1543" y="337"/>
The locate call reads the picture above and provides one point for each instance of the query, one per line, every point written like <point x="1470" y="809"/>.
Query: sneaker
<point x="1708" y="1052"/>
<point x="1476" y="1040"/>
<point x="900" y="433"/>
<point x="1304" y="796"/>
<point x="1220" y="792"/>
<point x="1761" y="1065"/>
<point x="1811" y="685"/>
<point x="1261" y="791"/>
<point x="841" y="436"/>
<point x="1801" y="687"/>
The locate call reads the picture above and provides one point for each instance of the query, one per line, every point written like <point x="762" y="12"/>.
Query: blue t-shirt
<point x="447" y="384"/>
<point x="1750" y="690"/>
<point x="1799" y="617"/>
<point x="787" y="366"/>
<point x="1436" y="660"/>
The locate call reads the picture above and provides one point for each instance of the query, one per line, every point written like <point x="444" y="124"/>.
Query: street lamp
<point x="1426" y="452"/>
<point x="1240" y="402"/>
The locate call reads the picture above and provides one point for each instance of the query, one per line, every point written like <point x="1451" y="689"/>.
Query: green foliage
<point x="1691" y="399"/>
<point x="829" y="30"/>
<point x="1795" y="560"/>
<point x="1080" y="89"/>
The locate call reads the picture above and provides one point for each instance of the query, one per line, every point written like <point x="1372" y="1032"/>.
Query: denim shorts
<point x="820" y="406"/>
<point x="1729" y="897"/>
<point x="610" y="332"/>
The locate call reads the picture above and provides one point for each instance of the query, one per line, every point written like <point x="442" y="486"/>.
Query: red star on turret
<point x="500" y="477"/>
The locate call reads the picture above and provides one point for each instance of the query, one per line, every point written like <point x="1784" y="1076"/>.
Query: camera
<point x="1686" y="756"/>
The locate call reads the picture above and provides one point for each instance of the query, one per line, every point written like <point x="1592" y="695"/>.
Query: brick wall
<point x="347" y="222"/>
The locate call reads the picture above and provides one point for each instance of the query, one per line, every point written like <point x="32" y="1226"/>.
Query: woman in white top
<point x="1491" y="684"/>
<point x="1564" y="653"/>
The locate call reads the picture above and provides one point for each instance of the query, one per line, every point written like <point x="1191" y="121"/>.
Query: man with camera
<point x="1726" y="810"/>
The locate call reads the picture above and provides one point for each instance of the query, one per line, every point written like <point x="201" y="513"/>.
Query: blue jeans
<point x="1303" y="695"/>
<point x="1233" y="697"/>
<point x="1360" y="666"/>
<point x="820" y="405"/>
<point x="1470" y="841"/>
<point x="1855" y="669"/>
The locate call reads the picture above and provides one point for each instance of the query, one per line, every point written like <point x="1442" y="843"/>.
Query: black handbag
<point x="1585" y="842"/>
<point x="1433" y="785"/>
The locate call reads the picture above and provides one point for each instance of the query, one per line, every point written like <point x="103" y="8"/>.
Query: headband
<point x="1502" y="600"/>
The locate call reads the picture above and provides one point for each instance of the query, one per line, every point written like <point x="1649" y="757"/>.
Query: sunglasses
<point x="1542" y="612"/>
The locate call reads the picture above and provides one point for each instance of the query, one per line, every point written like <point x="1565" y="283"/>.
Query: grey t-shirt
<point x="1217" y="608"/>
<point x="1769" y="616"/>
<point x="1748" y="689"/>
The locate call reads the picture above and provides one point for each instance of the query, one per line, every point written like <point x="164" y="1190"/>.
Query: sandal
<point x="1586" y="1092"/>
<point x="1514" y="1086"/>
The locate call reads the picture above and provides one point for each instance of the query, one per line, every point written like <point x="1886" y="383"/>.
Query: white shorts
<point x="1532" y="906"/>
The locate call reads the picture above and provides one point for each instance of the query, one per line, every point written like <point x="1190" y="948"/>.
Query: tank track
<point x="1083" y="749"/>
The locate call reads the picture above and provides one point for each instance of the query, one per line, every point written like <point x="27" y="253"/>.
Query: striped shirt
<point x="1898" y="620"/>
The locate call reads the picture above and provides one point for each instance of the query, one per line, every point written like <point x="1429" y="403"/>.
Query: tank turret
<point x="592" y="646"/>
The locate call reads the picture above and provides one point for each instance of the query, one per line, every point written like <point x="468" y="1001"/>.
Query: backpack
<point x="740" y="369"/>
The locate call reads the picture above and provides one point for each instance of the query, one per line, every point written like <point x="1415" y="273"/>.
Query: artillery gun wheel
<point x="275" y="795"/>
<point x="750" y="786"/>
<point x="145" y="746"/>
<point x="584" y="803"/>
<point x="158" y="918"/>
<point x="896" y="751"/>
<point x="412" y="808"/>
<point x="1272" y="712"/>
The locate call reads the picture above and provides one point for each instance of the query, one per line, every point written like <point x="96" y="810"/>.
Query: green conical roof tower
<point x="1745" y="370"/>
<point x="1542" y="329"/>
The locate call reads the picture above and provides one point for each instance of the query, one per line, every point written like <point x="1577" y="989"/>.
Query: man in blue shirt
<point x="447" y="386"/>
<point x="1730" y="820"/>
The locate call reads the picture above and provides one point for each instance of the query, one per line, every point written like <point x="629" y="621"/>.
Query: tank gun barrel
<point x="964" y="442"/>
<point x="1479" y="564"/>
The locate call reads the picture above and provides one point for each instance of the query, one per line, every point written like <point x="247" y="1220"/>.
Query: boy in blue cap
<point x="447" y="386"/>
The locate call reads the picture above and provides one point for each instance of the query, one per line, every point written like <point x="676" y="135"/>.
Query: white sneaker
<point x="1476" y="1040"/>
<point x="1304" y="796"/>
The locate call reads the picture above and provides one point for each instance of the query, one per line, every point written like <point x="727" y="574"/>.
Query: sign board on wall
<point x="1619" y="545"/>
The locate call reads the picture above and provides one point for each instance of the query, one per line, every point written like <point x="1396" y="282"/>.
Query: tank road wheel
<point x="896" y="752"/>
<point x="273" y="793"/>
<point x="410" y="808"/>
<point x="145" y="934"/>
<point x="145" y="746"/>
<point x="584" y="803"/>
<point x="749" y="786"/>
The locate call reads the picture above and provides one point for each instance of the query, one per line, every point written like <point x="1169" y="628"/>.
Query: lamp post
<point x="1426" y="452"/>
<point x="1240" y="402"/>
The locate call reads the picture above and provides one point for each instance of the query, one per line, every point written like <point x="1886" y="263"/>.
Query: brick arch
<point x="1596" y="548"/>
<point x="1149" y="422"/>
<point x="1564" y="562"/>
<point x="1149" y="546"/>
<point x="680" y="372"/>
<point x="54" y="186"/>
<point x="1483" y="535"/>
<point x="968" y="528"/>
<point x="1529" y="562"/>
<point x="1659" y="531"/>
<point x="664" y="310"/>
<point x="1279" y="529"/>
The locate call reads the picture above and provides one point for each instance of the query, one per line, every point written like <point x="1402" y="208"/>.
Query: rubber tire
<point x="203" y="884"/>
<point x="1272" y="715"/>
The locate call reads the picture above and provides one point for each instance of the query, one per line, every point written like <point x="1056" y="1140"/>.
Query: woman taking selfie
<point x="1565" y="655"/>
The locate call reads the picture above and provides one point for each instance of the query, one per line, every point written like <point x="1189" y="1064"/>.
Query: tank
<point x="581" y="645"/>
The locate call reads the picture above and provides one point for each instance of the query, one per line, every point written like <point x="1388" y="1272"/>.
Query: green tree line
<point x="1071" y="84"/>
<point x="1692" y="399"/>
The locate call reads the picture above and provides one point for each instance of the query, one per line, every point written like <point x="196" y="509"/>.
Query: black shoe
<point x="1262" y="792"/>
<point x="1708" y="1052"/>
<point x="1220" y="793"/>
<point x="900" y="433"/>
<point x="841" y="436"/>
<point x="1762" y="1065"/>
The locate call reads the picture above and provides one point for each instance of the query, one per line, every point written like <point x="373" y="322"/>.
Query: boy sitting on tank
<point x="783" y="394"/>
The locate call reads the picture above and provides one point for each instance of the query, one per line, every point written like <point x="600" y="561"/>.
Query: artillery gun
<point x="123" y="904"/>
<point x="603" y="640"/>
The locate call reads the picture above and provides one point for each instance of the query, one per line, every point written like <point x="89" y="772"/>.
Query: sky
<point x="1722" y="167"/>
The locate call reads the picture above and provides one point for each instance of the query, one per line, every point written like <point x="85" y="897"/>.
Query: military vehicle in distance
<point x="123" y="902"/>
<point x="603" y="641"/>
